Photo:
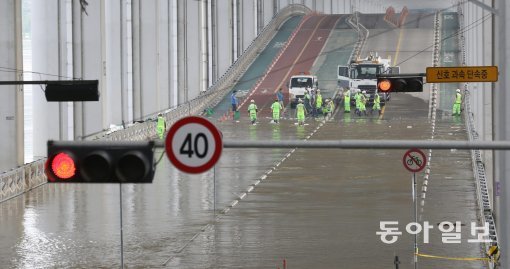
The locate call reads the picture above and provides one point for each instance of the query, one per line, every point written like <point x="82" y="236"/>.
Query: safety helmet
<point x="276" y="100"/>
<point x="301" y="101"/>
<point x="364" y="92"/>
<point x="252" y="101"/>
<point x="458" y="90"/>
<point x="318" y="90"/>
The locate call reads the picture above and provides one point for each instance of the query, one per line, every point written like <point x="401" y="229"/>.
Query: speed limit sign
<point x="193" y="145"/>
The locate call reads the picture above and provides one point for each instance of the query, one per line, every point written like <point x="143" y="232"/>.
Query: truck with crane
<point x="362" y="74"/>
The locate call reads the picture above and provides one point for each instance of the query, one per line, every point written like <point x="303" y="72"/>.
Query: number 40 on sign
<point x="193" y="145"/>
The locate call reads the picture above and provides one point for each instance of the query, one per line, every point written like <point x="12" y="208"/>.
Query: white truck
<point x="297" y="86"/>
<point x="362" y="74"/>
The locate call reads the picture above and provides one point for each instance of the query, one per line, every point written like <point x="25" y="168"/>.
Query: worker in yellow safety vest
<point x="300" y="112"/>
<point x="328" y="108"/>
<point x="252" y="109"/>
<point x="377" y="103"/>
<point x="318" y="101"/>
<point x="457" y="103"/>
<point x="363" y="103"/>
<point x="276" y="107"/>
<point x="161" y="126"/>
<point x="347" y="101"/>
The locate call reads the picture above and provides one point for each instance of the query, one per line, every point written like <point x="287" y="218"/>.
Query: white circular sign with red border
<point x="414" y="160"/>
<point x="193" y="145"/>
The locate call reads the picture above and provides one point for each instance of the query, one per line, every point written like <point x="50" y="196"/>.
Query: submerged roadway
<point x="259" y="207"/>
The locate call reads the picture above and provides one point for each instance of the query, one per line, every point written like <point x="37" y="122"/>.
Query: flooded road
<point x="313" y="208"/>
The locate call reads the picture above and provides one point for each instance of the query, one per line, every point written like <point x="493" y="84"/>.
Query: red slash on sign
<point x="414" y="160"/>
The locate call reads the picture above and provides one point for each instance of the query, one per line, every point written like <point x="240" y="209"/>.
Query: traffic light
<point x="72" y="90"/>
<point x="100" y="162"/>
<point x="400" y="84"/>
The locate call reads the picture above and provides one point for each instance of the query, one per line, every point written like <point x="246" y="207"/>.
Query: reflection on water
<point x="300" y="132"/>
<point x="346" y="118"/>
<point x="276" y="132"/>
<point x="457" y="121"/>
<point x="253" y="132"/>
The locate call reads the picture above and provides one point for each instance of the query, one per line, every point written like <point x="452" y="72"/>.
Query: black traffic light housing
<point x="72" y="90"/>
<point x="400" y="83"/>
<point x="100" y="162"/>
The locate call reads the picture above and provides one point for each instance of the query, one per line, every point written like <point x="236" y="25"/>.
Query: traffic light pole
<point x="401" y="75"/>
<point x="121" y="229"/>
<point x="415" y="220"/>
<point x="35" y="82"/>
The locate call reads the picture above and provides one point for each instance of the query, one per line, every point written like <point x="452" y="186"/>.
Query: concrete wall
<point x="147" y="55"/>
<point x="9" y="154"/>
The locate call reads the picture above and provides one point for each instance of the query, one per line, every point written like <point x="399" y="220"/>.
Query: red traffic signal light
<point x="62" y="165"/>
<point x="400" y="84"/>
<point x="100" y="162"/>
<point x="384" y="85"/>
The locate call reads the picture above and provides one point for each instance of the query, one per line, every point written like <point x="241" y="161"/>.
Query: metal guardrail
<point x="484" y="202"/>
<point x="20" y="180"/>
<point x="364" y="144"/>
<point x="24" y="178"/>
<point x="362" y="36"/>
<point x="432" y="107"/>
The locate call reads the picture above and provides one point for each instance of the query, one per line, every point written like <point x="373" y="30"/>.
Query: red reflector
<point x="384" y="85"/>
<point x="63" y="166"/>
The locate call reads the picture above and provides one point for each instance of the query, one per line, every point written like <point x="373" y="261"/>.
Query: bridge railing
<point x="362" y="36"/>
<point x="220" y="88"/>
<point x="484" y="201"/>
<point x="24" y="178"/>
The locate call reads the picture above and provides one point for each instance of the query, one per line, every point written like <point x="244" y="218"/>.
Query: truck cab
<point x="297" y="86"/>
<point x="362" y="74"/>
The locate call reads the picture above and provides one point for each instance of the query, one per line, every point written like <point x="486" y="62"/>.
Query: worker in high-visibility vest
<point x="328" y="108"/>
<point x="377" y="103"/>
<point x="457" y="103"/>
<point x="300" y="112"/>
<point x="357" y="100"/>
<point x="276" y="107"/>
<point x="347" y="101"/>
<point x="252" y="109"/>
<point x="307" y="100"/>
<point x="363" y="103"/>
<point x="318" y="101"/>
<point x="331" y="106"/>
<point x="161" y="126"/>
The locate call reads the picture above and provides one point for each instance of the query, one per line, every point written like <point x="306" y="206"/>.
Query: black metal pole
<point x="62" y="82"/>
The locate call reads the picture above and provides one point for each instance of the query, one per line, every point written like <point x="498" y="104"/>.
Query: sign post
<point x="414" y="160"/>
<point x="193" y="145"/>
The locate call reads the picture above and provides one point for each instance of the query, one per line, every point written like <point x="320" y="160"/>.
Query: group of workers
<point x="311" y="105"/>
<point x="361" y="99"/>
